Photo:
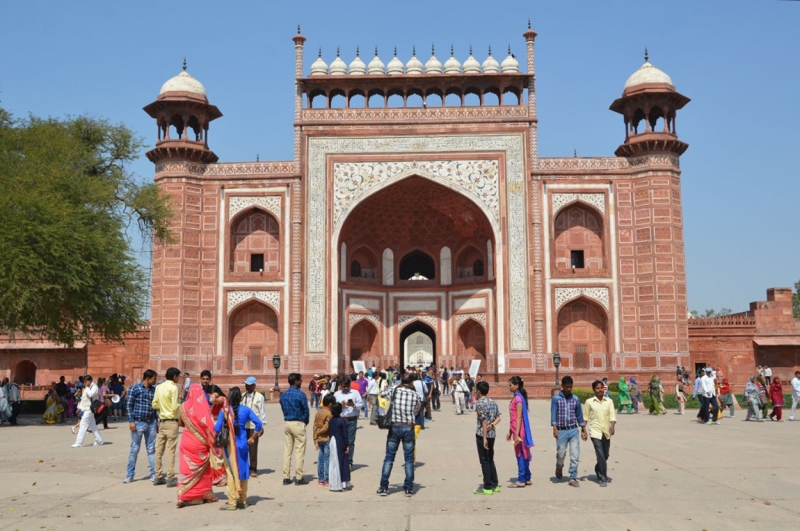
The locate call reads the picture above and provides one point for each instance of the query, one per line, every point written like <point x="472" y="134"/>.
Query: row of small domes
<point x="414" y="66"/>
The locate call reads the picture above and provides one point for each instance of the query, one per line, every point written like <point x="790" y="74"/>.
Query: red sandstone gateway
<point x="417" y="223"/>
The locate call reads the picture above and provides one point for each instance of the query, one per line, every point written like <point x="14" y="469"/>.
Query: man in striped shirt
<point x="566" y="415"/>
<point x="405" y="404"/>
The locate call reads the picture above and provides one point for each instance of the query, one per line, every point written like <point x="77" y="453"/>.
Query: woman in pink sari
<point x="196" y="450"/>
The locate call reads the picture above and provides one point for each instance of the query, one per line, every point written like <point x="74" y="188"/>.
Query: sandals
<point x="227" y="507"/>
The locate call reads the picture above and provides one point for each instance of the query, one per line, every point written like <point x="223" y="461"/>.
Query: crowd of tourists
<point x="219" y="441"/>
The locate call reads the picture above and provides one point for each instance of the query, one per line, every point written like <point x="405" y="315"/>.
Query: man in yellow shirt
<point x="600" y="419"/>
<point x="165" y="402"/>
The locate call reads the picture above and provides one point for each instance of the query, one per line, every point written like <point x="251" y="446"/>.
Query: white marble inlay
<point x="564" y="295"/>
<point x="596" y="200"/>
<point x="272" y="298"/>
<point x="417" y="306"/>
<point x="403" y="320"/>
<point x="366" y="304"/>
<point x="470" y="304"/>
<point x="270" y="203"/>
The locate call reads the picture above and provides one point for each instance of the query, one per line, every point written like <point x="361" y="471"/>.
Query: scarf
<point x="525" y="422"/>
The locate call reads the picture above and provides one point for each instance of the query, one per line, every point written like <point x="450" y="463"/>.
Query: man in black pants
<point x="488" y="417"/>
<point x="436" y="391"/>
<point x="14" y="400"/>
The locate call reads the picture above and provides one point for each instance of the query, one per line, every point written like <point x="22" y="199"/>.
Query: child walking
<point x="322" y="439"/>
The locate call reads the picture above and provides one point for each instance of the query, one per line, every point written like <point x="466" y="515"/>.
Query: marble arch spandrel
<point x="321" y="219"/>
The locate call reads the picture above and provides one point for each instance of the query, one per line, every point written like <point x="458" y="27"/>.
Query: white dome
<point x="395" y="66"/>
<point x="357" y="67"/>
<point x="183" y="82"/>
<point x="452" y="65"/>
<point x="319" y="67"/>
<point x="414" y="65"/>
<point x="338" y="67"/>
<point x="471" y="65"/>
<point x="433" y="66"/>
<point x="490" y="65"/>
<point x="510" y="63"/>
<point x="647" y="74"/>
<point x="376" y="66"/>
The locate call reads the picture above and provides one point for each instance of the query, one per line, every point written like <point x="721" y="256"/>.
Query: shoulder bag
<point x="385" y="420"/>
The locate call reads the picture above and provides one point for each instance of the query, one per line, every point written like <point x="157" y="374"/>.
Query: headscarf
<point x="196" y="415"/>
<point x="632" y="380"/>
<point x="750" y="387"/>
<point x="622" y="385"/>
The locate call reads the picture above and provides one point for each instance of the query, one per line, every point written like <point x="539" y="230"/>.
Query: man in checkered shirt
<point x="405" y="404"/>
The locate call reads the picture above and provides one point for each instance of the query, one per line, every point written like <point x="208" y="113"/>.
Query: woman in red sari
<point x="196" y="450"/>
<point x="776" y="397"/>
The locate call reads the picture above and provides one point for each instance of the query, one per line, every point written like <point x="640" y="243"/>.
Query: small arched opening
<point x="470" y="265"/>
<point x="25" y="372"/>
<point x="579" y="239"/>
<point x="255" y="243"/>
<point x="417" y="264"/>
<point x="176" y="127"/>
<point x="363" y="343"/>
<point x="418" y="344"/>
<point x="656" y="120"/>
<point x="363" y="264"/>
<point x="471" y="344"/>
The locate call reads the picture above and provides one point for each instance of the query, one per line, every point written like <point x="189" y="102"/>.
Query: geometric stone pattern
<point x="356" y="317"/>
<point x="479" y="178"/>
<point x="564" y="295"/>
<point x="596" y="200"/>
<point x="430" y="113"/>
<point x="403" y="320"/>
<point x="230" y="169"/>
<point x="461" y="317"/>
<point x="272" y="298"/>
<point x="318" y="236"/>
<point x="270" y="203"/>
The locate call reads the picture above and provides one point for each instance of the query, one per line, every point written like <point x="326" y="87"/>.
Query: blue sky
<point x="739" y="62"/>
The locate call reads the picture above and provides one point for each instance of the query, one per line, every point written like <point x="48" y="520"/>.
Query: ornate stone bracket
<point x="463" y="317"/>
<point x="270" y="203"/>
<point x="596" y="200"/>
<point x="271" y="298"/>
<point x="564" y="295"/>
<point x="403" y="320"/>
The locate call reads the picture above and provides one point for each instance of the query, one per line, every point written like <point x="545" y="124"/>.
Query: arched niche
<point x="582" y="331"/>
<point x="417" y="264"/>
<point x="255" y="242"/>
<point x="424" y="339"/>
<point x="254" y="338"/>
<point x="362" y="264"/>
<point x="364" y="344"/>
<point x="579" y="239"/>
<point x="25" y="372"/>
<point x="471" y="344"/>
<point x="471" y="265"/>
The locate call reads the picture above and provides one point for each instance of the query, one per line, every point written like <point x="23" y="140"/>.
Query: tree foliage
<point x="67" y="269"/>
<point x="712" y="313"/>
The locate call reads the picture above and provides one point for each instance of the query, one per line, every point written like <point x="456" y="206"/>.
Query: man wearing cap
<point x="255" y="401"/>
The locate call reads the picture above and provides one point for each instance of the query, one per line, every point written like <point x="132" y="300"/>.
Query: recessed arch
<point x="254" y="232"/>
<point x="364" y="344"/>
<point x="313" y="95"/>
<point x="471" y="344"/>
<point x="254" y="337"/>
<point x="465" y="262"/>
<point x="417" y="263"/>
<point x="363" y="264"/>
<point x="410" y="351"/>
<point x="25" y="372"/>
<point x="582" y="331"/>
<point x="579" y="241"/>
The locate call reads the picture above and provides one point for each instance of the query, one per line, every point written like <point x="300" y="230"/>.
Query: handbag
<point x="97" y="406"/>
<point x="385" y="420"/>
<point x="223" y="436"/>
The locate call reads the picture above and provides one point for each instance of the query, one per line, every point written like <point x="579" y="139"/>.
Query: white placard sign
<point x="359" y="366"/>
<point x="474" y="367"/>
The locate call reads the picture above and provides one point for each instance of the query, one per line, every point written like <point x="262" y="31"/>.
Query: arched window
<point x="355" y="269"/>
<point x="417" y="264"/>
<point x="255" y="243"/>
<point x="579" y="239"/>
<point x="477" y="268"/>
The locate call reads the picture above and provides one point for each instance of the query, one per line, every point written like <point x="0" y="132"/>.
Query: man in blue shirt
<point x="566" y="415"/>
<point x="294" y="404"/>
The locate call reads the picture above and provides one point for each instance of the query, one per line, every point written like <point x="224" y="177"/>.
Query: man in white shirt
<point x="795" y="392"/>
<point x="708" y="398"/>
<point x="372" y="397"/>
<point x="459" y="390"/>
<point x="351" y="402"/>
<point x="768" y="374"/>
<point x="90" y="393"/>
<point x="255" y="401"/>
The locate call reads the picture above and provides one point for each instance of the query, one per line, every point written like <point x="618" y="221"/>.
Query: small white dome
<point x="433" y="66"/>
<point x="319" y="67"/>
<point x="395" y="66"/>
<point x="647" y="74"/>
<point x="376" y="66"/>
<point x="414" y="65"/>
<point x="183" y="82"/>
<point x="490" y="65"/>
<point x="338" y="67"/>
<point x="471" y="65"/>
<point x="357" y="67"/>
<point x="510" y="63"/>
<point x="452" y="65"/>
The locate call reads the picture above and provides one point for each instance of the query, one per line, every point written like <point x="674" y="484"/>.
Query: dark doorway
<point x="416" y="326"/>
<point x="417" y="262"/>
<point x="25" y="371"/>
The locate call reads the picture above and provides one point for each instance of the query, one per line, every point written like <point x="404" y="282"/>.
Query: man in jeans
<point x="405" y="404"/>
<point x="566" y="415"/>
<point x="142" y="422"/>
<point x="351" y="402"/>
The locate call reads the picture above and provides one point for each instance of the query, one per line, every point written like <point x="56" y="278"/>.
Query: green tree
<point x="796" y="300"/>
<point x="67" y="268"/>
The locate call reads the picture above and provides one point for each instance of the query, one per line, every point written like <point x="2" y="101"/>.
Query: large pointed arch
<point x="253" y="337"/>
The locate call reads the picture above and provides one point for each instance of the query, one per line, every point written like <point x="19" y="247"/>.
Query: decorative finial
<point x="509" y="49"/>
<point x="490" y="50"/>
<point x="358" y="53"/>
<point x="337" y="51"/>
<point x="470" y="50"/>
<point x="432" y="53"/>
<point x="575" y="153"/>
<point x="529" y="22"/>
<point x="184" y="64"/>
<point x="646" y="56"/>
<point x="320" y="52"/>
<point x="451" y="50"/>
<point x="395" y="51"/>
<point x="257" y="158"/>
<point x="298" y="29"/>
<point x="376" y="51"/>
<point x="413" y="50"/>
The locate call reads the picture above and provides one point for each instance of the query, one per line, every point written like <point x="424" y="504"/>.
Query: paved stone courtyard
<point x="668" y="473"/>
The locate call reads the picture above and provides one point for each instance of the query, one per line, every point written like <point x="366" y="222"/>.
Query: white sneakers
<point x="99" y="443"/>
<point x="77" y="445"/>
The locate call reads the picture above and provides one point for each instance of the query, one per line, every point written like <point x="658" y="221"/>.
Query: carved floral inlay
<point x="356" y="317"/>
<point x="564" y="295"/>
<point x="463" y="317"/>
<point x="272" y="298"/>
<point x="596" y="200"/>
<point x="403" y="320"/>
<point x="271" y="204"/>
